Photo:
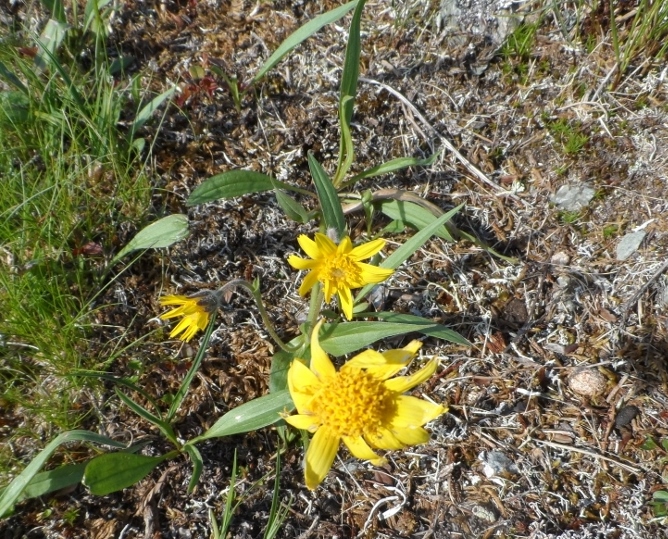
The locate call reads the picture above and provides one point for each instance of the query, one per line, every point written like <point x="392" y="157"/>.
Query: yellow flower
<point x="338" y="267"/>
<point x="195" y="310"/>
<point x="361" y="405"/>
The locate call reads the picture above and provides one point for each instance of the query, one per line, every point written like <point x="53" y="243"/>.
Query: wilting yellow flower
<point x="338" y="267"/>
<point x="361" y="405"/>
<point x="195" y="310"/>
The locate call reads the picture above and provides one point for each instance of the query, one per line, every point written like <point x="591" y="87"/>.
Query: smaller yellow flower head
<point x="195" y="312"/>
<point x="360" y="405"/>
<point x="339" y="268"/>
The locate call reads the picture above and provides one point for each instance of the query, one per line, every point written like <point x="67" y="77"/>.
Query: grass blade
<point x="148" y="110"/>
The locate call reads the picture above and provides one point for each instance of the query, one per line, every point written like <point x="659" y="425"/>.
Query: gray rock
<point x="573" y="196"/>
<point x="629" y="244"/>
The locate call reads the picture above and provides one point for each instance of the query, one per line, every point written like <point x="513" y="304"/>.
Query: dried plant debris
<point x="567" y="379"/>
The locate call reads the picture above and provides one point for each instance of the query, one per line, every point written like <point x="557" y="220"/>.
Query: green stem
<point x="183" y="390"/>
<point x="314" y="307"/>
<point x="263" y="312"/>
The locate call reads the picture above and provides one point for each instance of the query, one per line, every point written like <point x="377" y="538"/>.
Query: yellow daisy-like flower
<point x="338" y="267"/>
<point x="361" y="405"/>
<point x="195" y="311"/>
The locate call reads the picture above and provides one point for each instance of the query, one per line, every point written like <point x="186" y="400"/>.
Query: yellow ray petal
<point x="345" y="246"/>
<point x="321" y="365"/>
<point x="367" y="358"/>
<point x="302" y="384"/>
<point x="346" y="301"/>
<point x="401" y="384"/>
<point x="302" y="264"/>
<point x="303" y="422"/>
<point x="329" y="289"/>
<point x="320" y="456"/>
<point x="414" y="412"/>
<point x="412" y="436"/>
<point x="174" y="300"/>
<point x="373" y="274"/>
<point x="383" y="439"/>
<point x="309" y="246"/>
<point x="326" y="247"/>
<point x="367" y="250"/>
<point x="359" y="448"/>
<point x="309" y="282"/>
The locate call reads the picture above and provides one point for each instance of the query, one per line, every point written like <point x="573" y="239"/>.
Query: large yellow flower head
<point x="361" y="405"/>
<point x="339" y="268"/>
<point x="195" y="311"/>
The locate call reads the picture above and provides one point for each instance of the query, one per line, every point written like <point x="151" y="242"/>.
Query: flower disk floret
<point x="361" y="405"/>
<point x="338" y="267"/>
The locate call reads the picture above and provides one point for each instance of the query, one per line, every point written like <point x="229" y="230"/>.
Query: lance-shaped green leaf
<point x="162" y="233"/>
<point x="414" y="215"/>
<point x="252" y="415"/>
<point x="115" y="471"/>
<point x="407" y="249"/>
<point x="49" y="41"/>
<point x="332" y="212"/>
<point x="146" y="112"/>
<point x="349" y="77"/>
<point x="392" y="166"/>
<point x="292" y="209"/>
<point x="13" y="491"/>
<point x="235" y="183"/>
<point x="347" y="337"/>
<point x="46" y="482"/>
<point x="198" y="466"/>
<point x="301" y="34"/>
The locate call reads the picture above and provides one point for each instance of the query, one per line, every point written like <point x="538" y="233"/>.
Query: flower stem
<point x="255" y="292"/>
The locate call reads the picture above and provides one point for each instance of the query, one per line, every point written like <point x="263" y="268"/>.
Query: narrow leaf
<point x="407" y="249"/>
<point x="198" y="465"/>
<point x="231" y="184"/>
<point x="13" y="79"/>
<point x="49" y="41"/>
<point x="301" y="34"/>
<point x="293" y="209"/>
<point x="146" y="112"/>
<point x="252" y="415"/>
<point x="46" y="482"/>
<point x="56" y="8"/>
<point x="11" y="494"/>
<point x="349" y="77"/>
<point x="162" y="233"/>
<point x="415" y="215"/>
<point x="329" y="200"/>
<point x="347" y="337"/>
<point x="115" y="471"/>
<point x="438" y="331"/>
<point x="392" y="166"/>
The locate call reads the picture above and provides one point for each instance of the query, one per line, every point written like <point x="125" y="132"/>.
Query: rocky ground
<point x="561" y="162"/>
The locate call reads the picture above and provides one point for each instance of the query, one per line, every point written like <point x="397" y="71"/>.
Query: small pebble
<point x="587" y="382"/>
<point x="626" y="415"/>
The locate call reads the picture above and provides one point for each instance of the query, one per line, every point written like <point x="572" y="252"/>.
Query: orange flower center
<point x="352" y="402"/>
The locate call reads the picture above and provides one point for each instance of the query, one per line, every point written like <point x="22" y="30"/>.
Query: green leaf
<point x="13" y="79"/>
<point x="649" y="444"/>
<point x="407" y="249"/>
<point x="231" y="184"/>
<point x="438" y="331"/>
<point x="280" y="363"/>
<point x="252" y="415"/>
<point x="56" y="8"/>
<point x="95" y="19"/>
<point x="146" y="112"/>
<point x="14" y="109"/>
<point x="143" y="412"/>
<point x="347" y="337"/>
<point x="348" y="91"/>
<point x="329" y="200"/>
<point x="293" y="209"/>
<point x="13" y="491"/>
<point x="301" y="34"/>
<point x="49" y="41"/>
<point x="660" y="496"/>
<point x="393" y="166"/>
<point x="115" y="471"/>
<point x="414" y="215"/>
<point x="46" y="482"/>
<point x="163" y="233"/>
<point x="198" y="465"/>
